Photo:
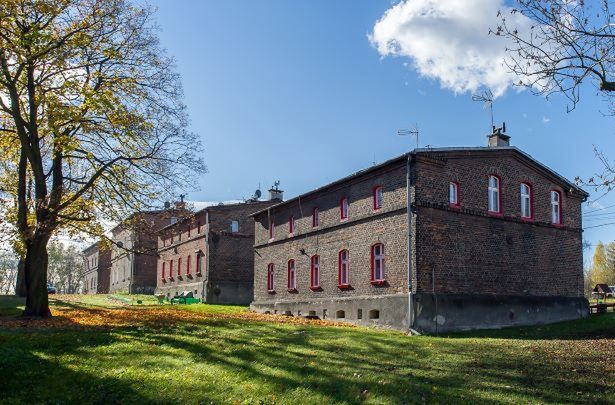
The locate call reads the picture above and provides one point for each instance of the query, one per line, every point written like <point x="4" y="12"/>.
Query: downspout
<point x="207" y="259"/>
<point x="132" y="264"/>
<point x="409" y="213"/>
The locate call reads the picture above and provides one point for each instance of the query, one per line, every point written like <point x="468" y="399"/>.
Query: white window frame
<point x="378" y="262"/>
<point x="453" y="193"/>
<point x="344" y="270"/>
<point x="494" y="194"/>
<point x="344" y="209"/>
<point x="292" y="274"/>
<point x="525" y="193"/>
<point x="315" y="271"/>
<point x="556" y="207"/>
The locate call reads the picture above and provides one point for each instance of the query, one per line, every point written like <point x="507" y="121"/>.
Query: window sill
<point x="495" y="214"/>
<point x="558" y="225"/>
<point x="455" y="206"/>
<point x="270" y="291"/>
<point x="343" y="219"/>
<point x="344" y="286"/>
<point x="318" y="288"/>
<point x="271" y="240"/>
<point x="189" y="276"/>
<point x="378" y="282"/>
<point x="293" y="290"/>
<point x="199" y="274"/>
<point x="171" y="279"/>
<point x="290" y="235"/>
<point x="527" y="219"/>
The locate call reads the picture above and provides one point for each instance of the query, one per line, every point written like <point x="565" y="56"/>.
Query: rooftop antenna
<point x="487" y="98"/>
<point x="414" y="131"/>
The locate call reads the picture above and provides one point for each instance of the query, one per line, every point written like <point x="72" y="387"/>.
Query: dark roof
<point x="427" y="151"/>
<point x="602" y="288"/>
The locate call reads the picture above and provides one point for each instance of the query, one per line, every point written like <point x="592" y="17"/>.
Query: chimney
<point x="275" y="193"/>
<point x="498" y="137"/>
<point x="181" y="204"/>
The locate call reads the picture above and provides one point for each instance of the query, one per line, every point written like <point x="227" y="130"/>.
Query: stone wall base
<point x="436" y="313"/>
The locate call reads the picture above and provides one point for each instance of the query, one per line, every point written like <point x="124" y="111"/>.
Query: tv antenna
<point x="414" y="131"/>
<point x="487" y="99"/>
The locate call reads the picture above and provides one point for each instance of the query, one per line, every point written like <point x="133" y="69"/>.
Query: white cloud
<point x="449" y="40"/>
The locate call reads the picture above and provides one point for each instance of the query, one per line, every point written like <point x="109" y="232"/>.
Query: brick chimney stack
<point x="275" y="193"/>
<point x="498" y="137"/>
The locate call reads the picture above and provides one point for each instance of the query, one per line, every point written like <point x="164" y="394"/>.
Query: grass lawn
<point x="93" y="351"/>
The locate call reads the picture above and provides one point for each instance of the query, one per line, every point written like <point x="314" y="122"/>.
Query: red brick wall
<point x="364" y="227"/>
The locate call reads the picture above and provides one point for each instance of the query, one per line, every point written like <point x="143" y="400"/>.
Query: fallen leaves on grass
<point x="67" y="317"/>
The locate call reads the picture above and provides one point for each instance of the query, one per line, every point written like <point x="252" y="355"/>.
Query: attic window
<point x="234" y="226"/>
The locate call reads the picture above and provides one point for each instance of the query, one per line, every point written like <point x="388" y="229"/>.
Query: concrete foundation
<point x="236" y="293"/>
<point x="436" y="313"/>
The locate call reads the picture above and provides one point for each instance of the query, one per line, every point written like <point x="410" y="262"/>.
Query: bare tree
<point x="568" y="43"/>
<point x="92" y="123"/>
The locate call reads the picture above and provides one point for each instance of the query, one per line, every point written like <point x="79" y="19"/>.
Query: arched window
<point x="270" y="277"/>
<point x="188" y="264"/>
<point x="526" y="201"/>
<point x="377" y="197"/>
<point x="179" y="267"/>
<point x="343" y="269"/>
<point x="171" y="268"/>
<point x="291" y="225"/>
<point x="453" y="194"/>
<point x="556" y="207"/>
<point x="315" y="218"/>
<point x="377" y="263"/>
<point x="164" y="270"/>
<point x="199" y="263"/>
<point x="271" y="228"/>
<point x="292" y="275"/>
<point x="495" y="189"/>
<point x="315" y="272"/>
<point x="344" y="208"/>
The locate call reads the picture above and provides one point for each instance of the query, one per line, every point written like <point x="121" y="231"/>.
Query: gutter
<point x="409" y="213"/>
<point x="207" y="257"/>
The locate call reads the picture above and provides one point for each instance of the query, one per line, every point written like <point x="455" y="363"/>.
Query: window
<point x="271" y="229"/>
<point x="198" y="227"/>
<point x="170" y="268"/>
<point x="315" y="218"/>
<point x="343" y="269"/>
<point x="556" y="207"/>
<point x="179" y="267"/>
<point x="378" y="263"/>
<point x="344" y="209"/>
<point x="189" y="229"/>
<point x="377" y="197"/>
<point x="494" y="194"/>
<point x="234" y="226"/>
<point x="291" y="225"/>
<point x="270" y="277"/>
<point x="526" y="201"/>
<point x="453" y="194"/>
<point x="164" y="269"/>
<point x="292" y="275"/>
<point x="199" y="264"/>
<point x="315" y="272"/>
<point x="188" y="264"/>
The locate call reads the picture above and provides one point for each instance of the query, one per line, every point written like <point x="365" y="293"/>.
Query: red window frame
<point x="270" y="278"/>
<point x="171" y="269"/>
<point x="315" y="273"/>
<point x="531" y="197"/>
<point x="340" y="269"/>
<point x="457" y="203"/>
<point x="380" y="280"/>
<point x="292" y="275"/>
<point x="344" y="209"/>
<point x="164" y="270"/>
<point x="291" y="225"/>
<point x="188" y="260"/>
<point x="315" y="218"/>
<point x="377" y="203"/>
<point x="500" y="210"/>
<point x="559" y="208"/>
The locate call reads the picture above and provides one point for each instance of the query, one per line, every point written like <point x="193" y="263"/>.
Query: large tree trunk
<point x="20" y="283"/>
<point x="37" y="300"/>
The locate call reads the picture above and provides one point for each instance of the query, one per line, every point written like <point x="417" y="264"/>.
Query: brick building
<point x="210" y="253"/>
<point x="434" y="240"/>
<point x="97" y="268"/>
<point x="134" y="250"/>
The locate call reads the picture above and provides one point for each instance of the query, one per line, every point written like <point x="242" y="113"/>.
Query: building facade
<point x="210" y="254"/>
<point x="97" y="268"/>
<point x="134" y="250"/>
<point x="435" y="240"/>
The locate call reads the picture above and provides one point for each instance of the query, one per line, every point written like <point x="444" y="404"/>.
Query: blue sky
<point x="294" y="91"/>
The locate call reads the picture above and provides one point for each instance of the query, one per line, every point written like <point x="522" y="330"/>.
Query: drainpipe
<point x="409" y="245"/>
